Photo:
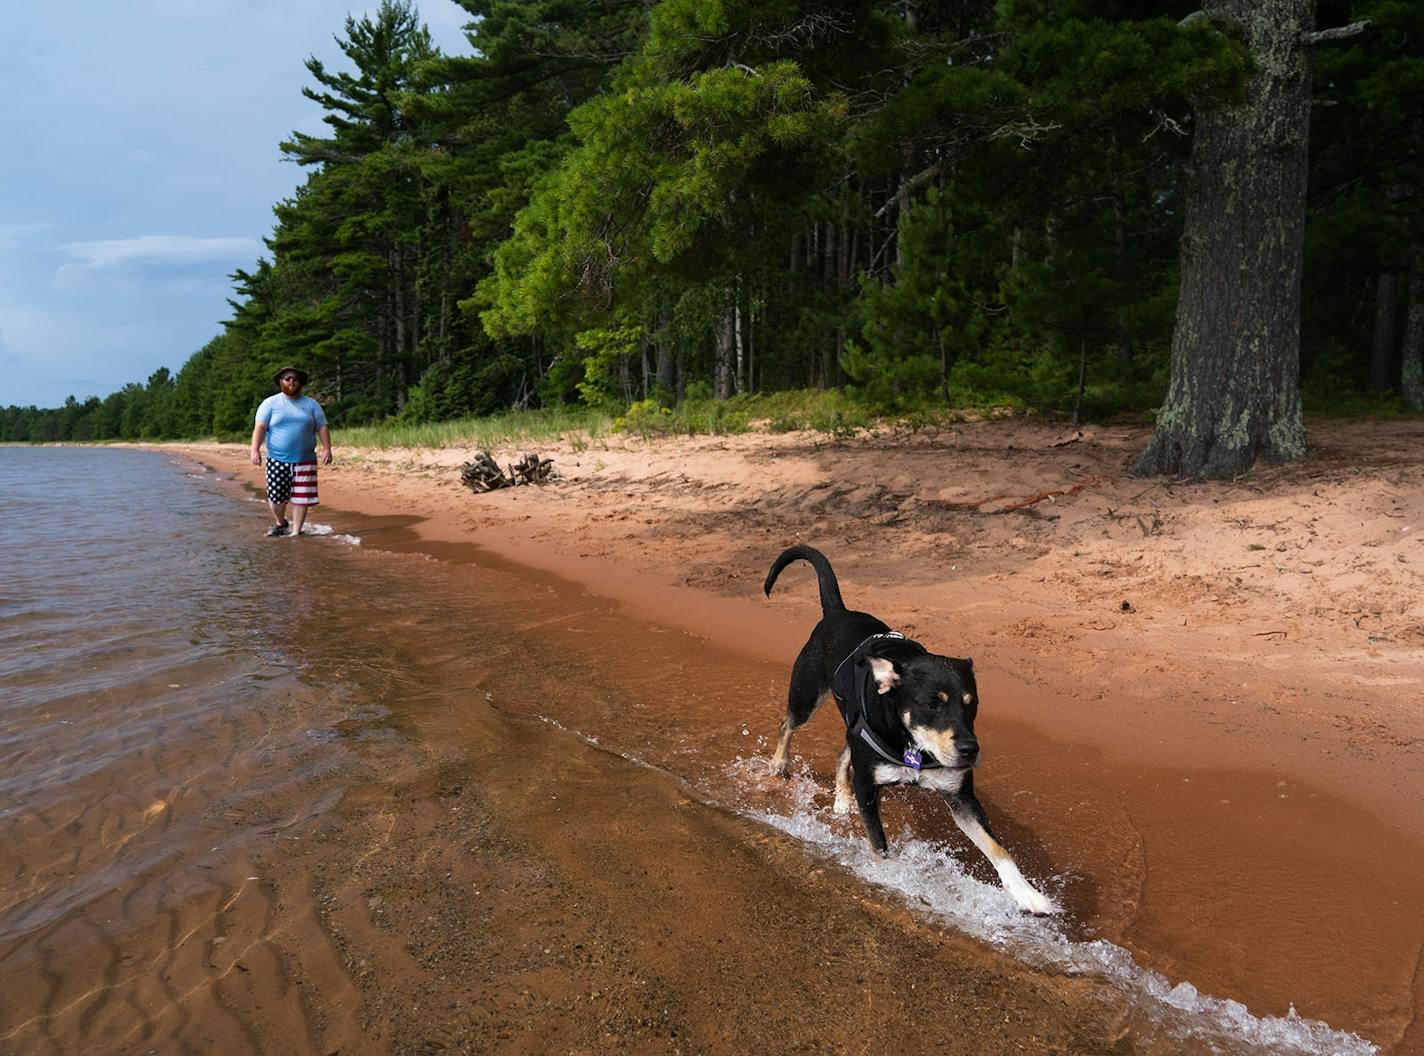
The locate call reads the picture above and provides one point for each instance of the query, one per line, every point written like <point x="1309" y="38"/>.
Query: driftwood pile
<point x="484" y="474"/>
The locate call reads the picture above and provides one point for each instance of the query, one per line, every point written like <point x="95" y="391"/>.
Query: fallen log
<point x="531" y="469"/>
<point x="483" y="474"/>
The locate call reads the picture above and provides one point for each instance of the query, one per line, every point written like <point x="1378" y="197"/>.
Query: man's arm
<point x="325" y="433"/>
<point x="258" y="432"/>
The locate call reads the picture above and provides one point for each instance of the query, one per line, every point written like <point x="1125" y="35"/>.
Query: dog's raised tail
<point x="830" y="589"/>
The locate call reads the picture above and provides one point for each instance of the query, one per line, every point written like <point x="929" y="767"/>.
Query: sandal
<point x="278" y="529"/>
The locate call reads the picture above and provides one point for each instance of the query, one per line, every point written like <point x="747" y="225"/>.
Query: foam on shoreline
<point x="931" y="880"/>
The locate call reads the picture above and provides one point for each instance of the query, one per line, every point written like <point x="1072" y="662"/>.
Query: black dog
<point x="909" y="718"/>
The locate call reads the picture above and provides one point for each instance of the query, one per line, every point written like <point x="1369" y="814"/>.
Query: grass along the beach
<point x="823" y="410"/>
<point x="578" y="424"/>
<point x="819" y="410"/>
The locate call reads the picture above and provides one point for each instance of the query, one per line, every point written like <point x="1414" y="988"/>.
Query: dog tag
<point x="912" y="758"/>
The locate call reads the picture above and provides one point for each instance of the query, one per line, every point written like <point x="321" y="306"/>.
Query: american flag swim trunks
<point x="293" y="482"/>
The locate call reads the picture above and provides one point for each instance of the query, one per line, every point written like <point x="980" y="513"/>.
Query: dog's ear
<point x="884" y="673"/>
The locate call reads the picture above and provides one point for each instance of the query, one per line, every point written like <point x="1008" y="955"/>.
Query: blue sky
<point x="139" y="167"/>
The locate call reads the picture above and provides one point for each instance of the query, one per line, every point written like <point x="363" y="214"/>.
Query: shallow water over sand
<point x="302" y="795"/>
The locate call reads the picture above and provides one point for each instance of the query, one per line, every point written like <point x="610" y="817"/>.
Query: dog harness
<point x="853" y="682"/>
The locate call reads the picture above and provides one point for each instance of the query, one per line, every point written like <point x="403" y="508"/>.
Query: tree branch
<point x="1164" y="121"/>
<point x="1028" y="131"/>
<point x="1321" y="36"/>
<point x="915" y="181"/>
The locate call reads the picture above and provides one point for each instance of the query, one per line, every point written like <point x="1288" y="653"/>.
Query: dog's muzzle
<point x="962" y="753"/>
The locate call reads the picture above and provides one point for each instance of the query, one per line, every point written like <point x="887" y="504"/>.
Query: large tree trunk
<point x="1234" y="393"/>
<point x="1411" y="375"/>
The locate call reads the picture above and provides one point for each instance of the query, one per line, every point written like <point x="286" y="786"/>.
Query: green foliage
<point x="606" y="355"/>
<point x="928" y="315"/>
<point x="610" y="205"/>
<point x="900" y="381"/>
<point x="457" y="388"/>
<point x="826" y="411"/>
<point x="1367" y="174"/>
<point x="645" y="418"/>
<point x="665" y="176"/>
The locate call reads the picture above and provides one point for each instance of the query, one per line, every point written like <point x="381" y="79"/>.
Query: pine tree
<point x="348" y="242"/>
<point x="1235" y="386"/>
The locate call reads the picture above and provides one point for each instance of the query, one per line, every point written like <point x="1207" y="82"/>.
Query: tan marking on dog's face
<point x="968" y="699"/>
<point x="941" y="742"/>
<point x="944" y="697"/>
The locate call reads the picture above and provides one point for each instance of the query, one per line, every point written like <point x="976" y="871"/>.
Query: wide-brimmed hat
<point x="298" y="371"/>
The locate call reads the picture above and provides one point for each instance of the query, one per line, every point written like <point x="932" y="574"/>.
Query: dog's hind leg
<point x="802" y="698"/>
<point x="845" y="796"/>
<point x="781" y="758"/>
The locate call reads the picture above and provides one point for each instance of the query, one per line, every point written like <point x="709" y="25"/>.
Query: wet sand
<point x="1239" y="812"/>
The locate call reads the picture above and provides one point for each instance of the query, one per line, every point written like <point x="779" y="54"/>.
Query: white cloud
<point x="161" y="251"/>
<point x="13" y="236"/>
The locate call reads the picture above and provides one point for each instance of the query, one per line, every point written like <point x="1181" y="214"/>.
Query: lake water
<point x="188" y="709"/>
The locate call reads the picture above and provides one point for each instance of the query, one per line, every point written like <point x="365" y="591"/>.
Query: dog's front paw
<point x="1033" y="901"/>
<point x="842" y="805"/>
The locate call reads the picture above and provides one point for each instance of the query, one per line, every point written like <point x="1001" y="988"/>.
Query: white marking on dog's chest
<point x="940" y="779"/>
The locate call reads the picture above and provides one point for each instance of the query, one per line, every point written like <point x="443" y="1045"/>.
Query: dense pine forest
<point x="1078" y="207"/>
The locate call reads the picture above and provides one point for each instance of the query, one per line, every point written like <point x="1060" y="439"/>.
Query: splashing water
<point x="930" y="879"/>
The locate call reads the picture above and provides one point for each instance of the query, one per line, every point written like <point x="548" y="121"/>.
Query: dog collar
<point x="851" y="682"/>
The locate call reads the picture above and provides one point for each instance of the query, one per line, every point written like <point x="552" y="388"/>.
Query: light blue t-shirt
<point x="291" y="427"/>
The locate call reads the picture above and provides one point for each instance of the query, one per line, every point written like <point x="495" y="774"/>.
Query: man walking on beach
<point x="291" y="424"/>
